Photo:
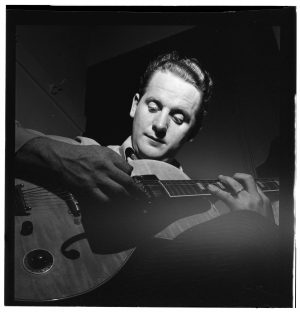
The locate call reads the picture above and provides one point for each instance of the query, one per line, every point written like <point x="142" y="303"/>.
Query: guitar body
<point x="53" y="258"/>
<point x="52" y="225"/>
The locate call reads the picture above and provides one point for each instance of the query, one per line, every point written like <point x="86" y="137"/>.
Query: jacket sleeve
<point x="23" y="135"/>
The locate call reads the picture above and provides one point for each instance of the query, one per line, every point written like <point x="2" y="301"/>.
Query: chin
<point x="151" y="153"/>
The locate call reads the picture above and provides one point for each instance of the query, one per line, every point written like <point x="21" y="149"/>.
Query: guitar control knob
<point x="27" y="228"/>
<point x="38" y="261"/>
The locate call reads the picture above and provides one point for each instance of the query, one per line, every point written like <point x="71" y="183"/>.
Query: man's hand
<point x="89" y="170"/>
<point x="98" y="170"/>
<point x="243" y="194"/>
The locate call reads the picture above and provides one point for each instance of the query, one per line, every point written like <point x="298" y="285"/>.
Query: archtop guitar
<point x="53" y="257"/>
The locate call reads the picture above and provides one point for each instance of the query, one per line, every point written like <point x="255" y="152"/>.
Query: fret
<point x="260" y="184"/>
<point x="187" y="189"/>
<point x="274" y="184"/>
<point x="201" y="186"/>
<point x="205" y="184"/>
<point x="176" y="188"/>
<point x="268" y="185"/>
<point x="197" y="188"/>
<point x="220" y="185"/>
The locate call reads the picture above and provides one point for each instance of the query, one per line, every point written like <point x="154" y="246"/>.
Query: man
<point x="167" y="112"/>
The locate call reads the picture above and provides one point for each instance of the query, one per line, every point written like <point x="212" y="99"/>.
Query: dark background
<point x="244" y="112"/>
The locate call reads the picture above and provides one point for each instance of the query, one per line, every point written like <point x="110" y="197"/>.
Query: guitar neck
<point x="180" y="188"/>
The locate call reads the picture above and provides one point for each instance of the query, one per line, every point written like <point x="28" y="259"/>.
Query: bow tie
<point x="129" y="152"/>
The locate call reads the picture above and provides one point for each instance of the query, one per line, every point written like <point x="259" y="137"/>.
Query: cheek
<point x="139" y="126"/>
<point x="142" y="119"/>
<point x="177" y="134"/>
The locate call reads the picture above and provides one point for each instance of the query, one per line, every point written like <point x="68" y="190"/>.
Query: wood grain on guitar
<point x="53" y="258"/>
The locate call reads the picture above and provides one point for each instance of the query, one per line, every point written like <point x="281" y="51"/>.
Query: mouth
<point x="155" y="139"/>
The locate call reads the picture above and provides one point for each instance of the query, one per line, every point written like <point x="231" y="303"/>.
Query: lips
<point x="155" y="139"/>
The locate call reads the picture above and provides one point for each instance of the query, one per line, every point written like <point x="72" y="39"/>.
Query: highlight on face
<point x="164" y="116"/>
<point x="190" y="70"/>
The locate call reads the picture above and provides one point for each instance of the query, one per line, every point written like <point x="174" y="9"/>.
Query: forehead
<point x="173" y="91"/>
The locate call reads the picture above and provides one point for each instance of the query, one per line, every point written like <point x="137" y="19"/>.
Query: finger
<point x="124" y="180"/>
<point x="267" y="204"/>
<point x="248" y="181"/>
<point x="124" y="166"/>
<point x="232" y="183"/>
<point x="99" y="195"/>
<point x="120" y="163"/>
<point x="224" y="196"/>
<point x="117" y="192"/>
<point x="262" y="194"/>
<point x="115" y="159"/>
<point x="113" y="189"/>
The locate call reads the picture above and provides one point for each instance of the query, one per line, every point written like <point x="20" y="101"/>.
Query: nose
<point x="160" y="124"/>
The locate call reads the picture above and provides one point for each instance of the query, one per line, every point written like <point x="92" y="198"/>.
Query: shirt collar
<point x="127" y="143"/>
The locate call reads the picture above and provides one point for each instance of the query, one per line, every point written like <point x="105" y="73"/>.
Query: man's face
<point x="164" y="116"/>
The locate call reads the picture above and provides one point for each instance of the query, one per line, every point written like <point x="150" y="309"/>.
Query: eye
<point x="178" y="119"/>
<point x="153" y="107"/>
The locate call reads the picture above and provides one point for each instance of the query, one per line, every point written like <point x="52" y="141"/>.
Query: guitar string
<point x="43" y="192"/>
<point x="30" y="203"/>
<point x="200" y="181"/>
<point x="34" y="195"/>
<point x="178" y="182"/>
<point x="55" y="199"/>
<point x="38" y="191"/>
<point x="37" y="203"/>
<point x="46" y="195"/>
<point x="204" y="184"/>
<point x="176" y="187"/>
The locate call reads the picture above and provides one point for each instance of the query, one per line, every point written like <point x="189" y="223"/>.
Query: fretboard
<point x="179" y="188"/>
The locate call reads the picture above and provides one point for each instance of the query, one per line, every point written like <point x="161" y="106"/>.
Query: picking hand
<point x="97" y="170"/>
<point x="90" y="170"/>
<point x="243" y="194"/>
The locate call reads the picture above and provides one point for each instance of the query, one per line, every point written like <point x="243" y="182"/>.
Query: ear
<point x="135" y="102"/>
<point x="193" y="134"/>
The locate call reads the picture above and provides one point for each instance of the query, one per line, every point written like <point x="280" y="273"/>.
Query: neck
<point x="179" y="188"/>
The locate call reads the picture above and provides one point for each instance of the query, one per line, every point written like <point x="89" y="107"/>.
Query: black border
<point x="282" y="16"/>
